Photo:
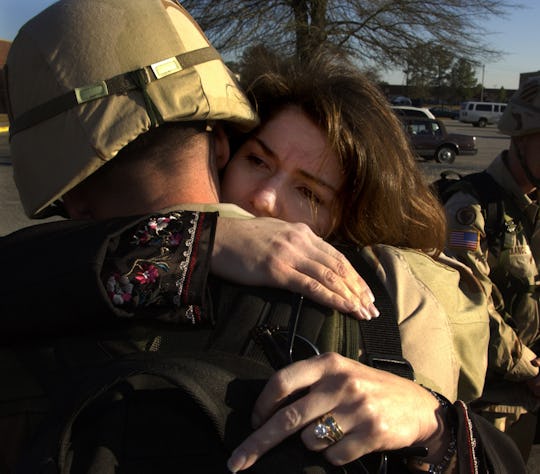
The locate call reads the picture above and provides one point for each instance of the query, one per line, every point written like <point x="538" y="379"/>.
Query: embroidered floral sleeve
<point x="159" y="267"/>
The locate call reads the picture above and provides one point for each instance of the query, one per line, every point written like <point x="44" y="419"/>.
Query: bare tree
<point x="375" y="31"/>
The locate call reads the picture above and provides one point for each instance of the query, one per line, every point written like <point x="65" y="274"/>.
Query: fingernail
<point x="359" y="312"/>
<point x="373" y="311"/>
<point x="237" y="461"/>
<point x="365" y="313"/>
<point x="371" y="297"/>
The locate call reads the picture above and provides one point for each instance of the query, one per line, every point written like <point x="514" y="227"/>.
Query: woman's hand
<point x="376" y="411"/>
<point x="269" y="252"/>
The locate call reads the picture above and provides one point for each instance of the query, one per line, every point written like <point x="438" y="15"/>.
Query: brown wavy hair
<point x="384" y="197"/>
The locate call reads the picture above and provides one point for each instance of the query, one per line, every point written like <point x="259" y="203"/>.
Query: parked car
<point x="431" y="140"/>
<point x="400" y="100"/>
<point x="481" y="113"/>
<point x="444" y="112"/>
<point x="406" y="111"/>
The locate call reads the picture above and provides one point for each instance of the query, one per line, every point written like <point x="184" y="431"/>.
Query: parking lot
<point x="488" y="140"/>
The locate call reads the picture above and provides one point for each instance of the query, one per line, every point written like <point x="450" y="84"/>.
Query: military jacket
<point x="508" y="269"/>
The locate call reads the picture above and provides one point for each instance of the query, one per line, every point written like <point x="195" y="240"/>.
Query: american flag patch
<point x="464" y="240"/>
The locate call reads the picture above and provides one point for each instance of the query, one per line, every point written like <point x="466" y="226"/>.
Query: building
<point x="4" y="48"/>
<point x="525" y="75"/>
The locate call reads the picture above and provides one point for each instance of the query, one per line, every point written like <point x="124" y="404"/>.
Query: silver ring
<point x="328" y="428"/>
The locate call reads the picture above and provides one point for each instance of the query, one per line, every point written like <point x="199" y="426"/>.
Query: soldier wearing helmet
<point x="495" y="230"/>
<point x="107" y="75"/>
<point x="118" y="109"/>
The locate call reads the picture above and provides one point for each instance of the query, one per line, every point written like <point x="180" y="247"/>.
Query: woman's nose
<point x="264" y="201"/>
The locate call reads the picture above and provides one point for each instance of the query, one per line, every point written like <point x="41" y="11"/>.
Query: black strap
<point x="116" y="85"/>
<point x="490" y="195"/>
<point x="381" y="337"/>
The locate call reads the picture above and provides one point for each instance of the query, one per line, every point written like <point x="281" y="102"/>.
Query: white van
<point x="481" y="113"/>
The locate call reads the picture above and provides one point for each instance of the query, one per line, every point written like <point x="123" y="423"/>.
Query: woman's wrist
<point x="442" y="446"/>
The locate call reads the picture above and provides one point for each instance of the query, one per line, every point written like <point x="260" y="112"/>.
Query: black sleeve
<point x="59" y="276"/>
<point x="482" y="448"/>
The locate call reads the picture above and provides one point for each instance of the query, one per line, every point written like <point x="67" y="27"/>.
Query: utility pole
<point x="482" y="88"/>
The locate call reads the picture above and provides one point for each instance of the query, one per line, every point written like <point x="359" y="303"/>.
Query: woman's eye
<point x="309" y="194"/>
<point x="255" y="160"/>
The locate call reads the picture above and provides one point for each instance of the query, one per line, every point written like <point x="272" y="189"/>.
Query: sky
<point x="517" y="35"/>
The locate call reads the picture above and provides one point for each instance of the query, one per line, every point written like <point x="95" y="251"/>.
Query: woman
<point x="330" y="153"/>
<point x="347" y="171"/>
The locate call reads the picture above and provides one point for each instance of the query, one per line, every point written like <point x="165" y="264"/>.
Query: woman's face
<point x="286" y="171"/>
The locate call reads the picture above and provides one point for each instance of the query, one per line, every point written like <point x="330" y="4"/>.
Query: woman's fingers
<point x="275" y="417"/>
<point x="270" y="252"/>
<point x="334" y="272"/>
<point x="368" y="409"/>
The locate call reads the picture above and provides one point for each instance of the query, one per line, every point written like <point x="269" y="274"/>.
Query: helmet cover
<point x="522" y="114"/>
<point x="85" y="78"/>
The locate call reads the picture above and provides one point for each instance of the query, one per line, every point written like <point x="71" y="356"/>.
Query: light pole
<point x="482" y="85"/>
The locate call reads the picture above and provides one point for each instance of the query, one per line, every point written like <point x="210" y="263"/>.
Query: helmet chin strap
<point x="532" y="179"/>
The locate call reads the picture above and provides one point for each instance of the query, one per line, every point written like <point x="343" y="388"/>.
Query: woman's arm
<point x="82" y="275"/>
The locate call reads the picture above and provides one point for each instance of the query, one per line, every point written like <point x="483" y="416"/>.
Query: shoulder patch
<point x="465" y="215"/>
<point x="468" y="240"/>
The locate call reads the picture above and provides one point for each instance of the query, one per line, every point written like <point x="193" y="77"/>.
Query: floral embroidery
<point x="156" y="233"/>
<point x="147" y="274"/>
<point x="152" y="264"/>
<point x="119" y="289"/>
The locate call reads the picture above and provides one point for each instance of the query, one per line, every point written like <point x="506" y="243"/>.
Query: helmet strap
<point x="140" y="77"/>
<point x="56" y="208"/>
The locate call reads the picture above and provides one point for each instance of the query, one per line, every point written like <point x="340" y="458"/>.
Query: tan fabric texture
<point x="78" y="43"/>
<point x="443" y="319"/>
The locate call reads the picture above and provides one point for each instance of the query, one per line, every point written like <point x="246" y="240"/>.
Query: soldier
<point x="493" y="228"/>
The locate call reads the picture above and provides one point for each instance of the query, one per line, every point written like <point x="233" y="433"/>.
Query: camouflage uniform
<point x="509" y="270"/>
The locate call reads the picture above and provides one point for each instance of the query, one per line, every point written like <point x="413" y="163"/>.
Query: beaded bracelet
<point x="416" y="463"/>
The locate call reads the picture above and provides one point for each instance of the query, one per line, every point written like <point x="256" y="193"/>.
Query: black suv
<point x="431" y="140"/>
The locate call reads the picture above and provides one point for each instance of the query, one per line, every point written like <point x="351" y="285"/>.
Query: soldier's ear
<point x="222" y="149"/>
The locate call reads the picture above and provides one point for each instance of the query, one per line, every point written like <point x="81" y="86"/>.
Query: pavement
<point x="12" y="216"/>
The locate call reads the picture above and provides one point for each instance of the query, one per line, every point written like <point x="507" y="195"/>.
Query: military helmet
<point x="522" y="114"/>
<point x="85" y="78"/>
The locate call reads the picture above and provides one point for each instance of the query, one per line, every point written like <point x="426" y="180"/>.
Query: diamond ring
<point x="327" y="428"/>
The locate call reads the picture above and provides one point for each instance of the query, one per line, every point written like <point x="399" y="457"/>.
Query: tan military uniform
<point x="443" y="318"/>
<point x="510" y="274"/>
